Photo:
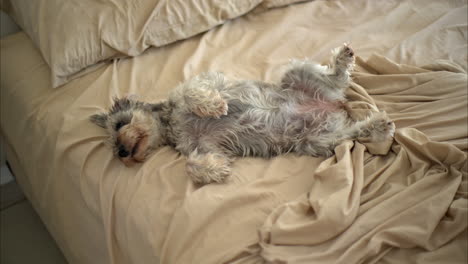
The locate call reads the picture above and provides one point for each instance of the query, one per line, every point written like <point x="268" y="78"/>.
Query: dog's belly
<point x="319" y="106"/>
<point x="249" y="130"/>
<point x="266" y="133"/>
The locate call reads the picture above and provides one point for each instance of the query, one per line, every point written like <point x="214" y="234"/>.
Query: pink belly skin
<point x="320" y="106"/>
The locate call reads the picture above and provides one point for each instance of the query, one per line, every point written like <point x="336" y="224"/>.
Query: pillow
<point x="75" y="36"/>
<point x="267" y="4"/>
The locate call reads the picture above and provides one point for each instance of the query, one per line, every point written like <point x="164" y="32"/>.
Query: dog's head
<point x="134" y="129"/>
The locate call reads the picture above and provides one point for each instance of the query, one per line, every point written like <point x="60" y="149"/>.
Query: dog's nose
<point x="123" y="153"/>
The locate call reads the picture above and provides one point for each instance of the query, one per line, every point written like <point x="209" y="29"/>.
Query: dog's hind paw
<point x="381" y="127"/>
<point x="344" y="56"/>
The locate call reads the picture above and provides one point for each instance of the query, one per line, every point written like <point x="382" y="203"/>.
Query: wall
<point x="7" y="26"/>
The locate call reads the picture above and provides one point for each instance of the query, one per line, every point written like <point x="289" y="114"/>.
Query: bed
<point x="399" y="201"/>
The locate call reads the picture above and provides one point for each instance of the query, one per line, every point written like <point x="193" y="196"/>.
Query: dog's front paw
<point x="208" y="168"/>
<point x="216" y="108"/>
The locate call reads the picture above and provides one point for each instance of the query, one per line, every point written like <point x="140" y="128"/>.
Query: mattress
<point x="404" y="200"/>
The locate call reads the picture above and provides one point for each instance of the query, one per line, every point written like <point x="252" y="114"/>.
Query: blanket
<point x="396" y="201"/>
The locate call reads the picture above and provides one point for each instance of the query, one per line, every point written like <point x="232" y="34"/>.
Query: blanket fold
<point x="361" y="206"/>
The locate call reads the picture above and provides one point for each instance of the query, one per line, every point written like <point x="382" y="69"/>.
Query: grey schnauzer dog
<point x="212" y="120"/>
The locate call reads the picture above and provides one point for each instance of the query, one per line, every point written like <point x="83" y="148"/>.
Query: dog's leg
<point x="201" y="95"/>
<point x="208" y="167"/>
<point x="317" y="145"/>
<point x="326" y="81"/>
<point x="340" y="67"/>
<point x="377" y="127"/>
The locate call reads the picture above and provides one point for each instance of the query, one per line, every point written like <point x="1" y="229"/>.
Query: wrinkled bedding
<point x="398" y="201"/>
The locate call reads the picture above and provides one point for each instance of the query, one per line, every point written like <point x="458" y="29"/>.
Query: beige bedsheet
<point x="408" y="204"/>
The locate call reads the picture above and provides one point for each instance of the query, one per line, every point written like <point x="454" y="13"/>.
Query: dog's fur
<point x="212" y="120"/>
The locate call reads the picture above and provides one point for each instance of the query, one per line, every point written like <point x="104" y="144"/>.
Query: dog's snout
<point x="123" y="152"/>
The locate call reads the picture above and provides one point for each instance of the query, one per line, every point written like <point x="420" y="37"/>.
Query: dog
<point x="212" y="120"/>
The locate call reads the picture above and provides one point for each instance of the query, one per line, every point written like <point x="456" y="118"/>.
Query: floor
<point x="23" y="237"/>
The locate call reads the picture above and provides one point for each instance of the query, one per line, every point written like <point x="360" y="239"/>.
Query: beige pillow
<point x="76" y="35"/>
<point x="267" y="4"/>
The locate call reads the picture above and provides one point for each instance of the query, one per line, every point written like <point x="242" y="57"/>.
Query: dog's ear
<point x="156" y="107"/>
<point x="120" y="104"/>
<point x="99" y="119"/>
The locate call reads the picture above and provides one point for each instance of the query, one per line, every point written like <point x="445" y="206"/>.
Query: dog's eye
<point x="119" y="125"/>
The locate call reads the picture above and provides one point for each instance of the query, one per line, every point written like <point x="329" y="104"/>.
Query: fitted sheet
<point x="371" y="203"/>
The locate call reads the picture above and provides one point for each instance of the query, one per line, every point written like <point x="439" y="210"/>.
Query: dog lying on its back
<point x="212" y="120"/>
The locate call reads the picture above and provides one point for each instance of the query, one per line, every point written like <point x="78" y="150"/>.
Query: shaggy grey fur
<point x="211" y="120"/>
